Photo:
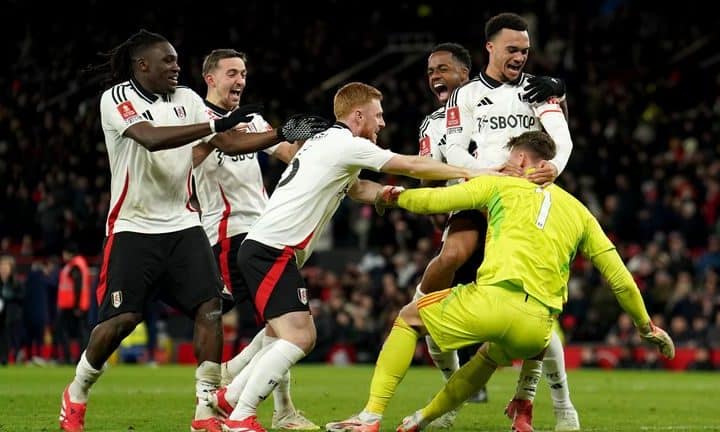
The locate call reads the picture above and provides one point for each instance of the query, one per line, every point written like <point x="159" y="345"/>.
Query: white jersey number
<point x="544" y="208"/>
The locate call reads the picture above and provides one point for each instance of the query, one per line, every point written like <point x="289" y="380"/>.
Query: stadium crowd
<point x="643" y="90"/>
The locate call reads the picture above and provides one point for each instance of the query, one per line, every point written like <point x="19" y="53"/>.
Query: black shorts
<point x="273" y="279"/>
<point x="468" y="271"/>
<point x="177" y="268"/>
<point x="225" y="253"/>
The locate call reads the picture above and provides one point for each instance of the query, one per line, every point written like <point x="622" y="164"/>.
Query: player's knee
<point x="123" y="324"/>
<point x="210" y="311"/>
<point x="409" y="313"/>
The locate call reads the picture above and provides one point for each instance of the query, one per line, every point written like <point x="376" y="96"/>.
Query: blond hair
<point x="353" y="95"/>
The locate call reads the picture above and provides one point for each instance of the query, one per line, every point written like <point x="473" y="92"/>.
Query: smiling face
<point x="226" y="82"/>
<point x="370" y="120"/>
<point x="157" y="68"/>
<point x="445" y="74"/>
<point x="508" y="54"/>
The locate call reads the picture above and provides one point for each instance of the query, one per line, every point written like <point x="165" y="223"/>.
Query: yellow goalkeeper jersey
<point x="533" y="235"/>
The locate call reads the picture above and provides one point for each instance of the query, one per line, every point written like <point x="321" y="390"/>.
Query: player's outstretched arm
<point x="628" y="295"/>
<point x="427" y="169"/>
<point x="155" y="138"/>
<point x="297" y="128"/>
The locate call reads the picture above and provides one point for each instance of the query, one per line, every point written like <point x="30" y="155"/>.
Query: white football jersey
<point x="432" y="135"/>
<point x="489" y="113"/>
<point x="230" y="189"/>
<point x="150" y="191"/>
<point x="312" y="187"/>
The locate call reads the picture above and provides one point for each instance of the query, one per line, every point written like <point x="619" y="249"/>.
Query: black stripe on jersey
<point x="442" y="141"/>
<point x="424" y="126"/>
<point x="485" y="101"/>
<point x="148" y="115"/>
<point x="452" y="101"/>
<point x="118" y="93"/>
<point x="438" y="114"/>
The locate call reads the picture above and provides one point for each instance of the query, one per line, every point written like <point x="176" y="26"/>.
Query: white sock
<point x="418" y="293"/>
<point x="232" y="367"/>
<point x="447" y="362"/>
<point x="235" y="388"/>
<point x="554" y="366"/>
<point x="368" y="417"/>
<point x="207" y="379"/>
<point x="85" y="377"/>
<point x="527" y="382"/>
<point x="275" y="362"/>
<point x="282" y="401"/>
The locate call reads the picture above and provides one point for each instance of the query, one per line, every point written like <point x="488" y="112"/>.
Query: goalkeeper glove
<point x="657" y="336"/>
<point x="387" y="197"/>
<point x="301" y="127"/>
<point x="242" y="114"/>
<point x="541" y="88"/>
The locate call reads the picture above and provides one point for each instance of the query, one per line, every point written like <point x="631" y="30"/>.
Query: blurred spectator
<point x="12" y="294"/>
<point x="73" y="303"/>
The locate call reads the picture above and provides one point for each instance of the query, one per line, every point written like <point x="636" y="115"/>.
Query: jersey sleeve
<point x="473" y="194"/>
<point x="554" y="123"/>
<point x="362" y="153"/>
<point x="118" y="112"/>
<point x="458" y="129"/>
<point x="424" y="139"/>
<point x="198" y="113"/>
<point x="594" y="241"/>
<point x="623" y="285"/>
<point x="259" y="124"/>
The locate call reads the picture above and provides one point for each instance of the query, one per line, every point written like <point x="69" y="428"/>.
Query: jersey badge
<point x="302" y="295"/>
<point x="180" y="112"/>
<point x="127" y="110"/>
<point x="425" y="146"/>
<point x="116" y="298"/>
<point x="453" y="117"/>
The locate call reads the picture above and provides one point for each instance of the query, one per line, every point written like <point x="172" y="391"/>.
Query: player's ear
<point x="209" y="80"/>
<point x="358" y="115"/>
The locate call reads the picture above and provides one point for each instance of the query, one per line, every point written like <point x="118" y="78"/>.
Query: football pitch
<point x="139" y="398"/>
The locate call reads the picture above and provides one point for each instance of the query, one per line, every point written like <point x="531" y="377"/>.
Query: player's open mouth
<point x="441" y="90"/>
<point x="515" y="67"/>
<point x="173" y="79"/>
<point x="236" y="92"/>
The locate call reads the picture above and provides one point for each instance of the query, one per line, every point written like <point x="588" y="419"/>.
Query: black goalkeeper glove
<point x="301" y="127"/>
<point x="242" y="114"/>
<point x="541" y="88"/>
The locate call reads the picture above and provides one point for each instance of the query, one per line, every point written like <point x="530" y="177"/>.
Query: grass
<point x="138" y="398"/>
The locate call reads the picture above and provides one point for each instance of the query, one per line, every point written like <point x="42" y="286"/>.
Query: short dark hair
<point x="211" y="60"/>
<point x="459" y="52"/>
<point x="504" y="20"/>
<point x="539" y="143"/>
<point x="120" y="58"/>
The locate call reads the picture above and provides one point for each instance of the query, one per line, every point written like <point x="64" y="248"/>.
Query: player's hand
<point x="541" y="88"/>
<point x="543" y="174"/>
<point x="242" y="114"/>
<point x="657" y="336"/>
<point x="511" y="169"/>
<point x="301" y="127"/>
<point x="387" y="197"/>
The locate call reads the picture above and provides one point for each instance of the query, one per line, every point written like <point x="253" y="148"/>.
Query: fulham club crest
<point x="302" y="295"/>
<point x="116" y="298"/>
<point x="180" y="111"/>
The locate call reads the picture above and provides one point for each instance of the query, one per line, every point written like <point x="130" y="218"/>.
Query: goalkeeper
<point x="521" y="286"/>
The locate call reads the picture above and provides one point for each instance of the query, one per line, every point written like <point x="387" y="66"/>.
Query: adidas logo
<point x="485" y="101"/>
